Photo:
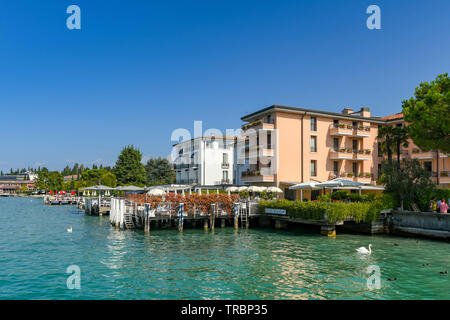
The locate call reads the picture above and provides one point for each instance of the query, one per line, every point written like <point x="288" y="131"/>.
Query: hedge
<point x="335" y="211"/>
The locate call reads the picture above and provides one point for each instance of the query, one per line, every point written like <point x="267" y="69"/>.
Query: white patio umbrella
<point x="199" y="191"/>
<point x="182" y="192"/>
<point x="243" y="188"/>
<point x="254" y="189"/>
<point x="274" y="190"/>
<point x="232" y="189"/>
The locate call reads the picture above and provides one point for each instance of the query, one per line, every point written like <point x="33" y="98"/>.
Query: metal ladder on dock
<point x="244" y="217"/>
<point x="128" y="219"/>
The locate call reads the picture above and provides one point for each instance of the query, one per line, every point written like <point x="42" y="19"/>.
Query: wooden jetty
<point x="127" y="214"/>
<point x="61" y="200"/>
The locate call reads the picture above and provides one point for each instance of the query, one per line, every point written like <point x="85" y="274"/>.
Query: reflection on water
<point x="249" y="264"/>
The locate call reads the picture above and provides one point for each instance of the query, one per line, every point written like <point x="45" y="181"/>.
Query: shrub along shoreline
<point x="332" y="211"/>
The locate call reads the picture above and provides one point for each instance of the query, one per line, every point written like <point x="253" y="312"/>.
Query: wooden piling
<point x="222" y="223"/>
<point x="180" y="217"/>
<point x="146" y="223"/>
<point x="205" y="224"/>
<point x="212" y="216"/>
<point x="236" y="216"/>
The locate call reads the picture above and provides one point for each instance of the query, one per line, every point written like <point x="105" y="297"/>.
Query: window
<point x="313" y="168"/>
<point x="379" y="170"/>
<point x="313" y="124"/>
<point x="225" y="158"/>
<point x="355" y="169"/>
<point x="269" y="119"/>
<point x="355" y="125"/>
<point x="225" y="175"/>
<point x="355" y="146"/>
<point x="428" y="166"/>
<point x="335" y="123"/>
<point x="313" y="144"/>
<point x="336" y="144"/>
<point x="335" y="167"/>
<point x="380" y="154"/>
<point x="399" y="125"/>
<point x="269" y="140"/>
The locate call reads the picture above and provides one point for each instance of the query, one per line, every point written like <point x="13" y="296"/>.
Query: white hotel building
<point x="209" y="161"/>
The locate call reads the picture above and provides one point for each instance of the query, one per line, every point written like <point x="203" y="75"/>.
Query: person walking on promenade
<point x="443" y="207"/>
<point x="432" y="205"/>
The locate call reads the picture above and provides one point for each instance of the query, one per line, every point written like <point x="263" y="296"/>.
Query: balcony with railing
<point x="185" y="166"/>
<point x="428" y="155"/>
<point x="260" y="151"/>
<point x="223" y="181"/>
<point x="258" y="125"/>
<point x="364" y="177"/>
<point x="349" y="130"/>
<point x="350" y="154"/>
<point x="256" y="176"/>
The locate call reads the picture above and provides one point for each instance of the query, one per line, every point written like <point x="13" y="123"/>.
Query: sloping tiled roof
<point x="394" y="116"/>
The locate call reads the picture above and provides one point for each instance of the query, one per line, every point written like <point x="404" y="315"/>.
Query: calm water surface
<point x="36" y="249"/>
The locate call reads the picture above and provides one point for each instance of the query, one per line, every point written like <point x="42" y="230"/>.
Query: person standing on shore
<point x="443" y="207"/>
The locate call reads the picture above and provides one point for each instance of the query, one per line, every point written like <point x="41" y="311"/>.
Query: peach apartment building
<point x="313" y="145"/>
<point x="300" y="145"/>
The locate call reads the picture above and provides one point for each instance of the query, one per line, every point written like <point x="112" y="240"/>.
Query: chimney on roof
<point x="347" y="110"/>
<point x="365" y="112"/>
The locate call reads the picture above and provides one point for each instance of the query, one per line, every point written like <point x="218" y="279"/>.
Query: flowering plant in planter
<point x="342" y="149"/>
<point x="349" y="126"/>
<point x="361" y="151"/>
<point x="367" y="151"/>
<point x="444" y="174"/>
<point x="341" y="125"/>
<point x="367" y="128"/>
<point x="368" y="175"/>
<point x="350" y="150"/>
<point x="415" y="150"/>
<point x="350" y="174"/>
<point x="360" y="127"/>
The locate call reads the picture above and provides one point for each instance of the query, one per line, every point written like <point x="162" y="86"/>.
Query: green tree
<point x="400" y="138"/>
<point x="385" y="134"/>
<point x="427" y="114"/>
<point x="406" y="181"/>
<point x="94" y="177"/>
<point x="129" y="168"/>
<point x="49" y="180"/>
<point x="159" y="171"/>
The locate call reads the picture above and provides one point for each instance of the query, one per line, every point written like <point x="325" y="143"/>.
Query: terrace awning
<point x="339" y="182"/>
<point x="305" y="185"/>
<point x="97" y="188"/>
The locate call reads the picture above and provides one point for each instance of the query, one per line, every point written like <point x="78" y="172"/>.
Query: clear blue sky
<point x="139" y="69"/>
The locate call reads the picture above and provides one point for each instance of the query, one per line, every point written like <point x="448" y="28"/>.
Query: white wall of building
<point x="202" y="162"/>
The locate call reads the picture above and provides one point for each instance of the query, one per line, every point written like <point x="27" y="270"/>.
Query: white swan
<point x="70" y="229"/>
<point x="363" y="250"/>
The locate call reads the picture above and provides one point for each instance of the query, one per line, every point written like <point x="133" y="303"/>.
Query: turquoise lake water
<point x="36" y="249"/>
